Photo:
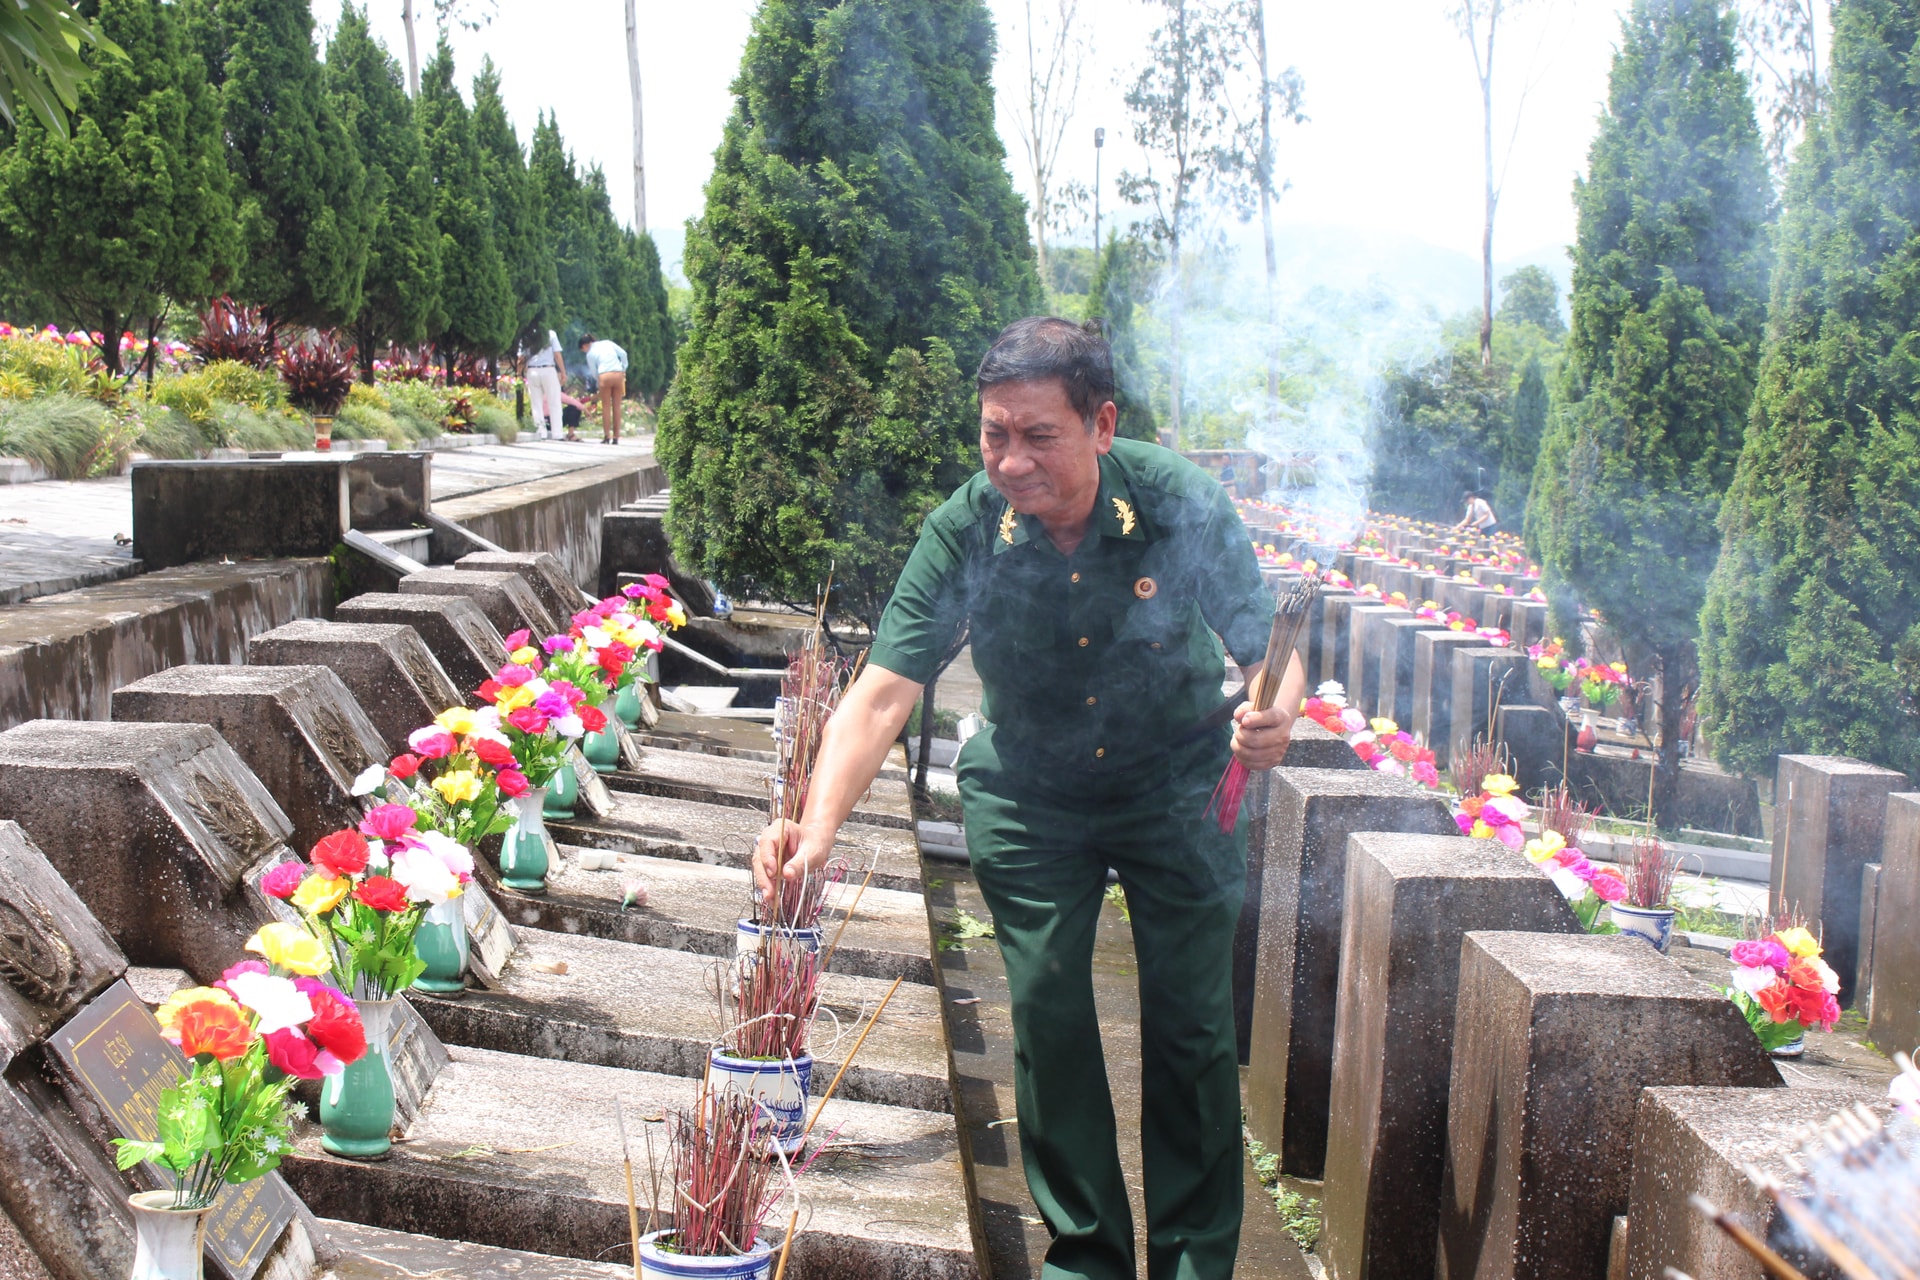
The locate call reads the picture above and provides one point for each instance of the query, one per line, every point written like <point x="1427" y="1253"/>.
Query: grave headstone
<point x="1554" y="1038"/>
<point x="1294" y="928"/>
<point x="1539" y="741"/>
<point x="1829" y="821"/>
<point x="1482" y="680"/>
<point x="1895" y="1022"/>
<point x="389" y="489"/>
<point x="1363" y="655"/>
<point x="505" y="598"/>
<point x="1397" y="633"/>
<point x="635" y="541"/>
<point x="1337" y="636"/>
<point x="1527" y="623"/>
<point x="386" y="667"/>
<point x="297" y="728"/>
<point x="1433" y="687"/>
<point x="541" y="571"/>
<point x="1869" y="909"/>
<point x="1700" y="1141"/>
<point x="467" y="646"/>
<point x="1409" y="901"/>
<point x="1316" y="634"/>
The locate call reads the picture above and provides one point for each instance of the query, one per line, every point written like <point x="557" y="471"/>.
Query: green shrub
<point x="365" y="422"/>
<point x="419" y="406"/>
<point x="369" y="398"/>
<point x="239" y="426"/>
<point x="163" y="433"/>
<point x="61" y="433"/>
<point x="189" y="396"/>
<point x="238" y="383"/>
<point x="497" y="419"/>
<point x="48" y="366"/>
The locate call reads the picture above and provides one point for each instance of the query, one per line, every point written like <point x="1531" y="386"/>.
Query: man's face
<point x="1038" y="451"/>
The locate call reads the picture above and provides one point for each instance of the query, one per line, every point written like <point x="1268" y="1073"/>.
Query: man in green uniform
<point x="1091" y="576"/>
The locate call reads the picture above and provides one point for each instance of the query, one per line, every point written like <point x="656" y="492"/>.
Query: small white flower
<point x="1753" y="980"/>
<point x="569" y="726"/>
<point x="277" y="1001"/>
<point x="424" y="876"/>
<point x="371" y="779"/>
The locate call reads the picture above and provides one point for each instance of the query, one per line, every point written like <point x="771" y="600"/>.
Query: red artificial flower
<point x="491" y="752"/>
<point x="344" y="853"/>
<point x="404" y="766"/>
<point x="489" y="691"/>
<point x="1404" y="750"/>
<point x="336" y="1025"/>
<point x="528" y="720"/>
<point x="609" y="664"/>
<point x="382" y="893"/>
<point x="212" y="1027"/>
<point x="294" y="1054"/>
<point x="388" y="822"/>
<point x="283" y="879"/>
<point x="512" y="782"/>
<point x="593" y="719"/>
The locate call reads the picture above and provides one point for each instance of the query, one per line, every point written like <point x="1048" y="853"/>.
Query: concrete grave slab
<point x="1336" y="639"/>
<point x="1293" y="930"/>
<point x="1363" y="655"/>
<point x="1895" y="1022"/>
<point x="1698" y="1141"/>
<point x="635" y="541"/>
<point x="297" y="728"/>
<point x="501" y="1158"/>
<point x="505" y="598"/>
<point x="1527" y="622"/>
<point x="1829" y="820"/>
<point x="724" y="836"/>
<point x="389" y="489"/>
<point x="1538" y="741"/>
<point x="543" y="573"/>
<point x="1409" y="901"/>
<point x="1314" y="634"/>
<point x="1483" y="679"/>
<point x="741" y="784"/>
<point x="368" y="1253"/>
<point x="54" y="955"/>
<point x="238" y="510"/>
<point x="693" y="907"/>
<point x="1869" y="911"/>
<point x="386" y="667"/>
<point x="653" y="1009"/>
<point x="1554" y="1038"/>
<point x="465" y="644"/>
<point x="1312" y="747"/>
<point x="1395" y="635"/>
<point x="1433" y="687"/>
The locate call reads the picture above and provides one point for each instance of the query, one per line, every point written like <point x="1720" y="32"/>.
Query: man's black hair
<point x="587" y="339"/>
<point x="1042" y="347"/>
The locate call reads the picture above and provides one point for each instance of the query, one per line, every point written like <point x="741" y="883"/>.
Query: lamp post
<point x="1099" y="141"/>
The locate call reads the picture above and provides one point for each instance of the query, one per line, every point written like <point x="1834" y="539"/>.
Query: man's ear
<point x="1105" y="420"/>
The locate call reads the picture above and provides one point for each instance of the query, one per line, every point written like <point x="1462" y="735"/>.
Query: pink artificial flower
<point x="518" y="639"/>
<point x="557" y="645"/>
<point x="432" y="742"/>
<point x="1610" y="887"/>
<point x="513" y="676"/>
<point x="388" y="822"/>
<point x="528" y="720"/>
<point x="283" y="879"/>
<point x="511" y="782"/>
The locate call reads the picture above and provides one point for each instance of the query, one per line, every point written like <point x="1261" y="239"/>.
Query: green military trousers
<point x="1041" y="846"/>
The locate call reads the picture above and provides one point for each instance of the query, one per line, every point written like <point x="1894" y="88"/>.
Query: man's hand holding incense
<point x="1260" y="738"/>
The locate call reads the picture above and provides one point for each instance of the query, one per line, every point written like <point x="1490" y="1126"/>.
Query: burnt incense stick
<point x="793" y="1220"/>
<point x="827" y="1097"/>
<point x="626" y="1162"/>
<point x="845" y="920"/>
<point x="1772" y="1263"/>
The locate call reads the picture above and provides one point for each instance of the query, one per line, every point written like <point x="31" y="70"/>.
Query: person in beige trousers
<point x="607" y="365"/>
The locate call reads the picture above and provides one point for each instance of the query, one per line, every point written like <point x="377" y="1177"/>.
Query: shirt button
<point x="1099" y="751"/>
<point x="1083" y="642"/>
<point x="1154" y="645"/>
<point x="1091" y="701"/>
<point x="1076" y="577"/>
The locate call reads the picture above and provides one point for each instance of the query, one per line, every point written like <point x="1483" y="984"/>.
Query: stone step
<point x="360" y="1252"/>
<point x="509" y="1156"/>
<point x="741" y="784"/>
<point x="664" y="827"/>
<point x="741" y="739"/>
<point x="692" y="906"/>
<point x="651" y="1009"/>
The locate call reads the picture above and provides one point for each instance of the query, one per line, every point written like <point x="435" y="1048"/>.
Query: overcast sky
<point x="1393" y="144"/>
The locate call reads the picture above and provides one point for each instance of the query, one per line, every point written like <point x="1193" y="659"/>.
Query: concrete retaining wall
<point x="62" y="656"/>
<point x="559" y="513"/>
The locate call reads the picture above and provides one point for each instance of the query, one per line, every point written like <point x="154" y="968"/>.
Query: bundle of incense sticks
<point x="1857" y="1205"/>
<point x="1289" y="616"/>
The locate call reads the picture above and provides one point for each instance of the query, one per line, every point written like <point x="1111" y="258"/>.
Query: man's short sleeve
<point x="1233" y="598"/>
<point x="924" y="618"/>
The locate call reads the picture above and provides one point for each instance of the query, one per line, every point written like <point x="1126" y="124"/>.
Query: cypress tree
<point x="401" y="292"/>
<point x="476" y="295"/>
<point x="1811" y="631"/>
<point x="861" y="245"/>
<point x="1670" y="269"/>
<point x="1121" y="279"/>
<point x="563" y="204"/>
<point x="298" y="180"/>
<point x="133" y="206"/>
<point x="519" y="221"/>
<point x="1520" y="444"/>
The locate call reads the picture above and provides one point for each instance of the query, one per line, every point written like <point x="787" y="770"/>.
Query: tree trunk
<point x="1266" y="201"/>
<point x="1678" y="683"/>
<point x="110" y="342"/>
<point x="152" y="355"/>
<point x="639" y="133"/>
<point x="1173" y="327"/>
<point x="1486" y="238"/>
<point x="413" y="51"/>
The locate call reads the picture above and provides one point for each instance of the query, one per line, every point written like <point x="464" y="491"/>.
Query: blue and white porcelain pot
<point x="658" y="1261"/>
<point x="780" y="1089"/>
<point x="1653" y="924"/>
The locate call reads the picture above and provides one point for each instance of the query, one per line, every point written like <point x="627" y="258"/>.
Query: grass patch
<point x="1709" y="921"/>
<point x="1117" y="898"/>
<point x="1299" y="1213"/>
<point x="964" y="927"/>
<point x="62" y="433"/>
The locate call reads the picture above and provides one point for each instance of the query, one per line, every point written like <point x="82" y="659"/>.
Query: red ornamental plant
<point x="407" y="364"/>
<point x="318" y="372"/>
<point x="231" y="331"/>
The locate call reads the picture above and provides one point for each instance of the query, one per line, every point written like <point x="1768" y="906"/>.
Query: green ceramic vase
<point x="523" y="849"/>
<point x="441" y="944"/>
<point x="356" y="1106"/>
<point x="563" y="789"/>
<point x="626" y="705"/>
<point x="602" y="749"/>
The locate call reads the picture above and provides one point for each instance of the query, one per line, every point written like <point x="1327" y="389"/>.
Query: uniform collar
<point x="1114" y="513"/>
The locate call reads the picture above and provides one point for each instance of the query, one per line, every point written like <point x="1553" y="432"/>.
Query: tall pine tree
<point x="1520" y="443"/>
<point x="563" y="203"/>
<point x="133" y="207"/>
<point x="476" y="295"/>
<point x="1811" y="632"/>
<point x="299" y="185"/>
<point x="1670" y="271"/>
<point x="401" y="293"/>
<point x="861" y="245"/>
<point x="519" y="221"/>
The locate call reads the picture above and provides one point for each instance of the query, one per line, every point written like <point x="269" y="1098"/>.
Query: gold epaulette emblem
<point x="1007" y="525"/>
<point x="1125" y="512"/>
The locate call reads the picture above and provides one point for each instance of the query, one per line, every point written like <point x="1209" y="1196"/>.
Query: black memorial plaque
<point x="114" y="1048"/>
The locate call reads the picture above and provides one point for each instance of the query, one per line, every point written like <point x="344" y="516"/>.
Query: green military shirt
<point x="1100" y="660"/>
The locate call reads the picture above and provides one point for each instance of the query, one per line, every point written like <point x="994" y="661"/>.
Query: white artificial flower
<point x="452" y="854"/>
<point x="1905" y="1093"/>
<point x="1571" y="886"/>
<point x="536" y="687"/>
<point x="1333" y="693"/>
<point x="371" y="779"/>
<point x="424" y="876"/>
<point x="596" y="637"/>
<point x="275" y="1001"/>
<point x="568" y="726"/>
<point x="1755" y="979"/>
<point x="1828" y="978"/>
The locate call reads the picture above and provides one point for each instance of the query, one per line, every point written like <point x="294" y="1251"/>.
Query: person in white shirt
<point x="607" y="366"/>
<point x="543" y="370"/>
<point x="1479" y="517"/>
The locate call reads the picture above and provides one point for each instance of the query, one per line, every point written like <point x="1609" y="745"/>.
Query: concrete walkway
<point x="60" y="535"/>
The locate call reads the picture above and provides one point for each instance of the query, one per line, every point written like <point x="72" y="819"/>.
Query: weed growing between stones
<point x="1299" y="1212"/>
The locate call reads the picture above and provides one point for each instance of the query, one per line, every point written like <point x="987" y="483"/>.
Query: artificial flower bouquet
<point x="575" y="661"/>
<point x="452" y="775"/>
<point x="1494" y="812"/>
<point x="1328" y="708"/>
<point x="363" y="893"/>
<point x="1601" y="682"/>
<point x="1783" y="987"/>
<point x="1550" y="657"/>
<point x="538" y="717"/>
<point x="227" y="1120"/>
<point x="1387" y="748"/>
<point x="1586" y="887"/>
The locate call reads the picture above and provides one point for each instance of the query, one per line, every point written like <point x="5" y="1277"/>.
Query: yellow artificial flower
<point x="1481" y="831"/>
<point x="288" y="946"/>
<point x="169" y="1010"/>
<point x="318" y="895"/>
<point x="511" y="700"/>
<point x="1549" y="844"/>
<point x="676" y="615"/>
<point x="524" y="655"/>
<point x="1621" y="667"/>
<point x="459" y="786"/>
<point x="1311" y="566"/>
<point x="1799" y="942"/>
<point x="456" y="720"/>
<point x="1499" y="784"/>
<point x="1380" y="724"/>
